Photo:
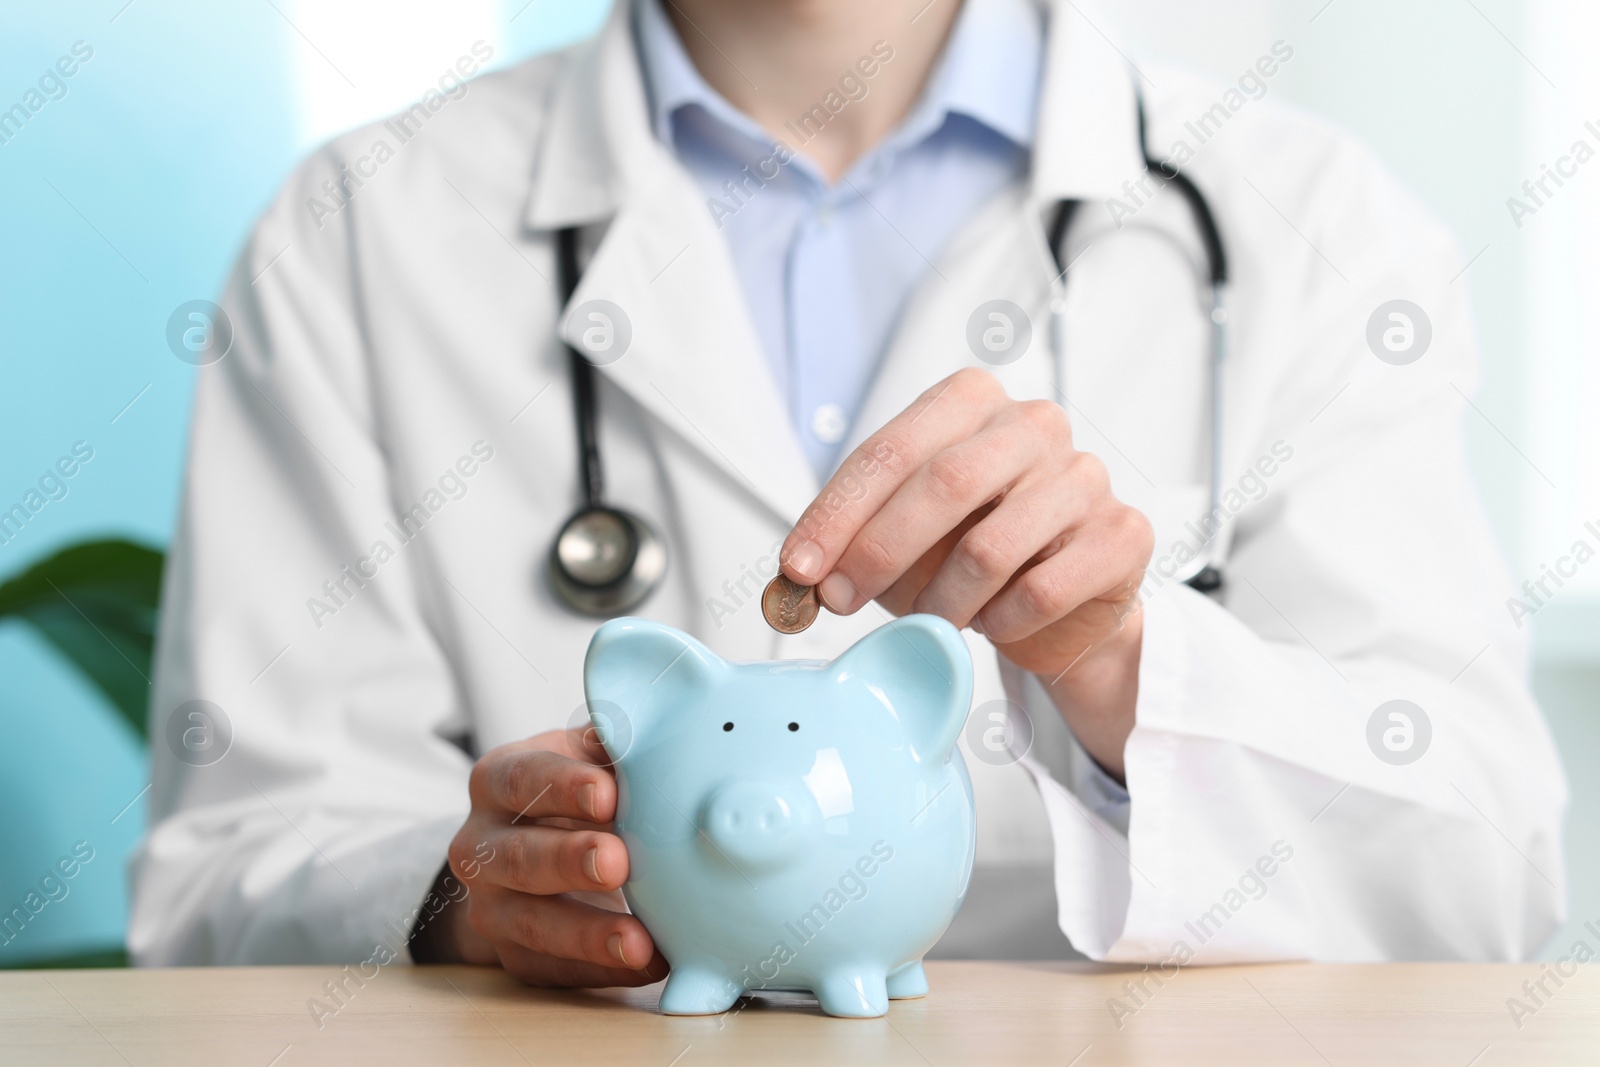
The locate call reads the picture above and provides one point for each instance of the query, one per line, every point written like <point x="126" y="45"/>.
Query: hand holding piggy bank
<point x="793" y="825"/>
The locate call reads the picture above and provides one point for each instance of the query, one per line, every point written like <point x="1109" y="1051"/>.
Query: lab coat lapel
<point x="693" y="361"/>
<point x="1086" y="144"/>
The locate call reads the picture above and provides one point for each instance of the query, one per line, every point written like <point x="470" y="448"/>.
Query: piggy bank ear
<point x="921" y="671"/>
<point x="637" y="672"/>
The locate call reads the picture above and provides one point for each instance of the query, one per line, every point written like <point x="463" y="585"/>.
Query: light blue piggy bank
<point x="794" y="825"/>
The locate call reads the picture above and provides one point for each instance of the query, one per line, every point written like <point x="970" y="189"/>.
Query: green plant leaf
<point x="96" y="602"/>
<point x="107" y="957"/>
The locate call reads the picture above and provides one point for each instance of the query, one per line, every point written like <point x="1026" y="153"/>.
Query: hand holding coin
<point x="980" y="509"/>
<point x="789" y="606"/>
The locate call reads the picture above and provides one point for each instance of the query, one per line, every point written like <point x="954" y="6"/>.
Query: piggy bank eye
<point x="727" y="726"/>
<point x="793" y="727"/>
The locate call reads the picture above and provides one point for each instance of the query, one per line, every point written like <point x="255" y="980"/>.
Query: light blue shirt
<point x="828" y="270"/>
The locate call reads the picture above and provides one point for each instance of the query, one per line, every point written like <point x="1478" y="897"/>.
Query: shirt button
<point x="828" y="424"/>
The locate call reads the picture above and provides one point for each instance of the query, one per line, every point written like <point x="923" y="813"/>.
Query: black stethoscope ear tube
<point x="1209" y="579"/>
<point x="582" y="372"/>
<point x="1204" y="220"/>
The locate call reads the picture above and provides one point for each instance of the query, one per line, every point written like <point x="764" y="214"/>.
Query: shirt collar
<point x="672" y="83"/>
<point x="989" y="72"/>
<point x="597" y="149"/>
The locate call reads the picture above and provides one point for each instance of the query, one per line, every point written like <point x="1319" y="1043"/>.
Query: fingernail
<point x="806" y="560"/>
<point x="591" y="865"/>
<point x="977" y="627"/>
<point x="614" y="946"/>
<point x="586" y="801"/>
<point x="839" y="593"/>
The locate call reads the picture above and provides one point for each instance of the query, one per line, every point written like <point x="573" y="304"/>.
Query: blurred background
<point x="130" y="189"/>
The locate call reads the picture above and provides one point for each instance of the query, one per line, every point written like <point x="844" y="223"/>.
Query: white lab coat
<point x="378" y="345"/>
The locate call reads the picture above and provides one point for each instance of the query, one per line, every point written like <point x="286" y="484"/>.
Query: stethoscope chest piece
<point x="605" y="561"/>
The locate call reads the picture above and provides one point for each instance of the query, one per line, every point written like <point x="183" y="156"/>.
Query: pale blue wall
<point x="169" y="141"/>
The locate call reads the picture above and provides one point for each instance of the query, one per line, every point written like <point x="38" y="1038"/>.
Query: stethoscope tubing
<point x="591" y="475"/>
<point x="1202" y="573"/>
<point x="648" y="554"/>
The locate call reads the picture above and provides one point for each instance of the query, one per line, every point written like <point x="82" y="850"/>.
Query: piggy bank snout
<point x="755" y="823"/>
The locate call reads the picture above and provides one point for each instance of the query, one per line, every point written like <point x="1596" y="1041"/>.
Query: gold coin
<point x="789" y="608"/>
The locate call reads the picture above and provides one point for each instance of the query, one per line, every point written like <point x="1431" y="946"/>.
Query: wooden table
<point x="1058" y="1014"/>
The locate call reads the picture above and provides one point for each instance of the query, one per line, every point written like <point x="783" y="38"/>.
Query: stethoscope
<point x="606" y="561"/>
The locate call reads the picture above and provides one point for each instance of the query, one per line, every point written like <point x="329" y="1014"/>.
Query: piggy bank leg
<point x="698" y="990"/>
<point x="853" y="994"/>
<point x="908" y="982"/>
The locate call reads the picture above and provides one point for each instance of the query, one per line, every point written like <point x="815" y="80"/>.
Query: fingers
<point x="566" y="929"/>
<point x="531" y="848"/>
<point x="548" y="859"/>
<point x="578" y="742"/>
<point x="584" y="742"/>
<point x="938" y="497"/>
<point x="1104" y="559"/>
<point x="899" y="597"/>
<point x="1033" y="519"/>
<point x="533" y="969"/>
<point x="950" y="411"/>
<point x="534" y="783"/>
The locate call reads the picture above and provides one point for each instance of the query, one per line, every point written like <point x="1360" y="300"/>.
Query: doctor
<point x="800" y="219"/>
